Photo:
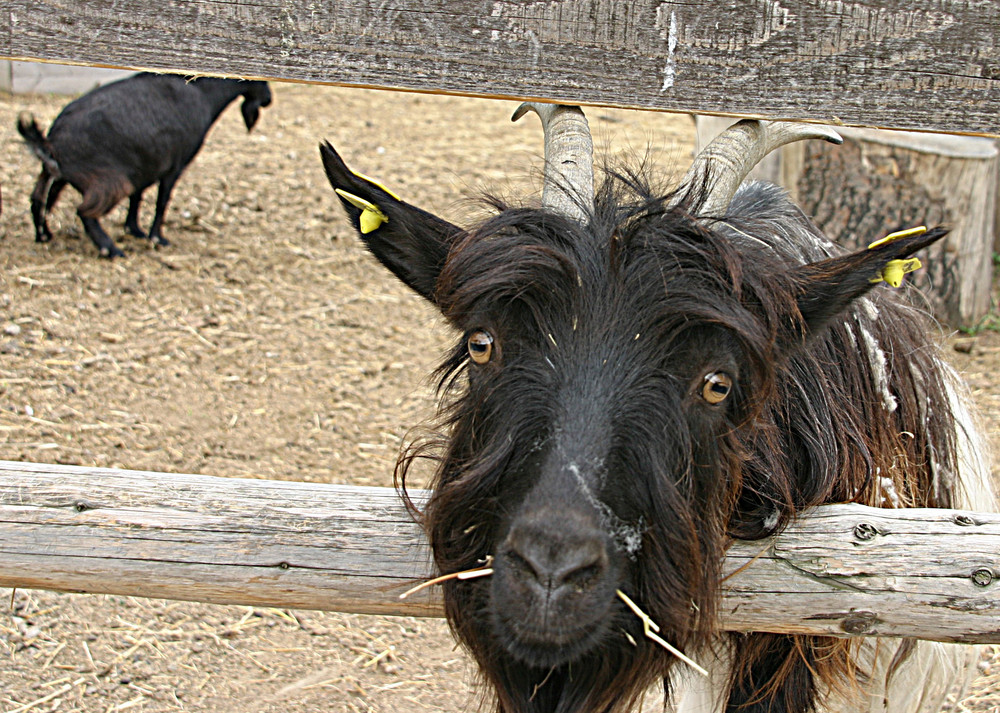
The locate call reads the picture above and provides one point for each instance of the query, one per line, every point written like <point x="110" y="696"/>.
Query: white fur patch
<point x="876" y="357"/>
<point x="771" y="521"/>
<point x="869" y="308"/>
<point x="627" y="536"/>
<point x="889" y="495"/>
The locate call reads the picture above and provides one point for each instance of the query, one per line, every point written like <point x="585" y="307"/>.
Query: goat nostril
<point x="576" y="568"/>
<point x="520" y="565"/>
<point x="584" y="577"/>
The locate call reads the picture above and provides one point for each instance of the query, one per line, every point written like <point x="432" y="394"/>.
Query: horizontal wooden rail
<point x="912" y="64"/>
<point x="841" y="570"/>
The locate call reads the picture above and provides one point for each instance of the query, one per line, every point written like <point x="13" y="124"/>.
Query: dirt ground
<point x="264" y="342"/>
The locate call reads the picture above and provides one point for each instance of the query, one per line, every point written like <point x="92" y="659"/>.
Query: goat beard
<point x="614" y="675"/>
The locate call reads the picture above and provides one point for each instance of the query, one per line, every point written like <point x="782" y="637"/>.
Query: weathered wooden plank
<point x="871" y="571"/>
<point x="209" y="539"/>
<point x="924" y="64"/>
<point x="840" y="570"/>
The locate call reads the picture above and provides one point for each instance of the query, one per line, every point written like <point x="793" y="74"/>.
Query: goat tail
<point x="27" y="127"/>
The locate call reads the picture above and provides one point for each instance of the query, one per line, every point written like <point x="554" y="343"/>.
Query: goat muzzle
<point x="554" y="583"/>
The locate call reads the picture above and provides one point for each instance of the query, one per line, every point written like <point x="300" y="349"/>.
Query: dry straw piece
<point x="649" y="628"/>
<point x="484" y="571"/>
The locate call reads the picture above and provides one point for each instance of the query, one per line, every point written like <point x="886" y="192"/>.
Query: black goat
<point x="644" y="375"/>
<point x="119" y="139"/>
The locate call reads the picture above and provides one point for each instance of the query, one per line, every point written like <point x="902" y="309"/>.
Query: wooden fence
<point x="844" y="569"/>
<point x="931" y="65"/>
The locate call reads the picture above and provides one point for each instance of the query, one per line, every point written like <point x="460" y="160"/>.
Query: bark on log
<point x="880" y="181"/>
<point x="841" y="570"/>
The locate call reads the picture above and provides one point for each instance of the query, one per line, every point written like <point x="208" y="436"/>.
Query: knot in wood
<point x="982" y="577"/>
<point x="284" y="565"/>
<point x="964" y="520"/>
<point x="859" y="622"/>
<point x="865" y="531"/>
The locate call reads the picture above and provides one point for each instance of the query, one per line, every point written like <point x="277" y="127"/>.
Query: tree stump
<point x="880" y="181"/>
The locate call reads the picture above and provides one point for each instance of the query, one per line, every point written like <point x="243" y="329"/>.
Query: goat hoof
<point x="159" y="241"/>
<point x="136" y="232"/>
<point x="112" y="252"/>
<point x="43" y="237"/>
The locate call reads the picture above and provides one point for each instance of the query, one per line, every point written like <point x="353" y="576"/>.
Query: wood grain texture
<point x="919" y="64"/>
<point x="841" y="570"/>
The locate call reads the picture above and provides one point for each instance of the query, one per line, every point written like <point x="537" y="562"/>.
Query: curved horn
<point x="569" y="158"/>
<point x="723" y="165"/>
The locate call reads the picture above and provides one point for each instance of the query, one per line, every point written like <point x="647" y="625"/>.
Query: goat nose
<point x="555" y="562"/>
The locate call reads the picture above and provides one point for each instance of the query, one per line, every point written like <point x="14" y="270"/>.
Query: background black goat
<point x="119" y="139"/>
<point x="643" y="376"/>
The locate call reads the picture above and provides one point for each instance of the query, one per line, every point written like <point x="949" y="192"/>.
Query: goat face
<point x="607" y="398"/>
<point x="593" y="421"/>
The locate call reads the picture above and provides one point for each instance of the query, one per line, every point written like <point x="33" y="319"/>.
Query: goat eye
<point x="717" y="387"/>
<point x="480" y="346"/>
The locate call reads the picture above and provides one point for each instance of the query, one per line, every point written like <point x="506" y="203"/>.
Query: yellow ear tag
<point x="371" y="216"/>
<point x="372" y="181"/>
<point x="899" y="234"/>
<point x="894" y="270"/>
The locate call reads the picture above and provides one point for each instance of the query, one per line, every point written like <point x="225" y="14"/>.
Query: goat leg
<point x="132" y="219"/>
<point x="162" y="199"/>
<point x="101" y="239"/>
<point x="41" y="200"/>
<point x="54" y="190"/>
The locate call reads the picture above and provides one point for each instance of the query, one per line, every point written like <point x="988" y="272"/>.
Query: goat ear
<point x="250" y="108"/>
<point x="256" y="96"/>
<point x="411" y="242"/>
<point x="829" y="286"/>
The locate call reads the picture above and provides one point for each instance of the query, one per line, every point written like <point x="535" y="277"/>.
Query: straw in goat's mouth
<point x="650" y="627"/>
<point x="485" y="571"/>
